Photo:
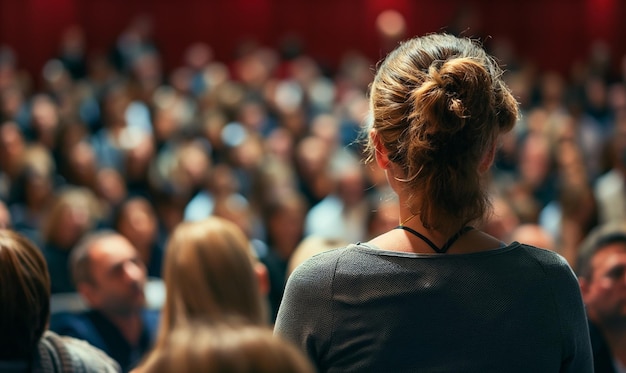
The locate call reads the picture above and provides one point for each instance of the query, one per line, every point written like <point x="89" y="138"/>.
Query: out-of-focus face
<point x="351" y="187"/>
<point x="535" y="160"/>
<point x="118" y="276"/>
<point x="11" y="145"/>
<point x="5" y="216"/>
<point x="286" y="228"/>
<point x="605" y="292"/>
<point x="385" y="217"/>
<point x="139" y="226"/>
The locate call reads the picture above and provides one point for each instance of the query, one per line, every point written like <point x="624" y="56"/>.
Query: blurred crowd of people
<point x="272" y="142"/>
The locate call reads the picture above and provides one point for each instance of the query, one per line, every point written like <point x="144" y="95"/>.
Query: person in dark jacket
<point x="110" y="276"/>
<point x="601" y="270"/>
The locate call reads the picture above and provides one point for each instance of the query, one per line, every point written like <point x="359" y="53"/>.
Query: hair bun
<point x="458" y="90"/>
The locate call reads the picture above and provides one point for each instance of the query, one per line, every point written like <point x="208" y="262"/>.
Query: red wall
<point x="553" y="33"/>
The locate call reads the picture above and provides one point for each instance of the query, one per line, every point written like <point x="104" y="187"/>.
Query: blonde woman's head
<point x="209" y="274"/>
<point x="216" y="348"/>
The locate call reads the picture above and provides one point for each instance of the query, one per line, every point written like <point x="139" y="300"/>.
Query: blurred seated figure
<point x="5" y="216"/>
<point x="110" y="276"/>
<point x="610" y="187"/>
<point x="210" y="274"/>
<point x="26" y="345"/>
<point x="284" y="217"/>
<point x="136" y="220"/>
<point x="502" y="220"/>
<point x="534" y="235"/>
<point x="32" y="191"/>
<point x="310" y="246"/>
<point x="12" y="151"/>
<point x="74" y="212"/>
<point x="207" y="348"/>
<point x="601" y="273"/>
<point x="342" y="214"/>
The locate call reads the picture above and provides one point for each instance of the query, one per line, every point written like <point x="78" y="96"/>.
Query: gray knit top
<point x="363" y="309"/>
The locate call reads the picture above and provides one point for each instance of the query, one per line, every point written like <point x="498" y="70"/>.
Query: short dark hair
<point x="79" y="262"/>
<point x="24" y="296"/>
<point x="596" y="240"/>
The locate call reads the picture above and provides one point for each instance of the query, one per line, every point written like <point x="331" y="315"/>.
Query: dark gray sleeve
<point x="577" y="351"/>
<point x="61" y="353"/>
<point x="305" y="314"/>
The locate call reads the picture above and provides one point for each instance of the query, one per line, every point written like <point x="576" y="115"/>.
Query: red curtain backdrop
<point x="552" y="33"/>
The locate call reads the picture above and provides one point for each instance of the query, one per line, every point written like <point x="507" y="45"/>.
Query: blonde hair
<point x="438" y="104"/>
<point x="71" y="197"/>
<point x="209" y="275"/>
<point x="216" y="348"/>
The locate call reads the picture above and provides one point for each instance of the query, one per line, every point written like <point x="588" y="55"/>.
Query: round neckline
<point x="371" y="248"/>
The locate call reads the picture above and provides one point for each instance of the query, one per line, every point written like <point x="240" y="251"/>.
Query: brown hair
<point x="438" y="104"/>
<point x="71" y="197"/>
<point x="215" y="348"/>
<point x="24" y="296"/>
<point x="209" y="274"/>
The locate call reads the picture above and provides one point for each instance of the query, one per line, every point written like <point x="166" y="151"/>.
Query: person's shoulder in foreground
<point x="71" y="354"/>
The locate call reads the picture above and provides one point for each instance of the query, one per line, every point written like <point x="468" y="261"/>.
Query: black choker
<point x="448" y="243"/>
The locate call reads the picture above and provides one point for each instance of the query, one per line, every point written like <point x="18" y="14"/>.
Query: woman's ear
<point x="488" y="159"/>
<point x="381" y="153"/>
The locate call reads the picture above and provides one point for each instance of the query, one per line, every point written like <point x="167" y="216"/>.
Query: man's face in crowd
<point x="604" y="293"/>
<point x="118" y="277"/>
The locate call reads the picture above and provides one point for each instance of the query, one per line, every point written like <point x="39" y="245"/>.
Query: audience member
<point x="210" y="275"/>
<point x="311" y="246"/>
<point x="218" y="348"/>
<point x="74" y="213"/>
<point x="5" y="216"/>
<point x="12" y="148"/>
<point x="33" y="191"/>
<point x="136" y="220"/>
<point x="284" y="218"/>
<point x="502" y="220"/>
<point x="610" y="188"/>
<point x="384" y="213"/>
<point x="26" y="344"/>
<point x="207" y="136"/>
<point x="344" y="212"/>
<point x="312" y="159"/>
<point x="110" y="275"/>
<point x="394" y="303"/>
<point x="533" y="235"/>
<point x="602" y="275"/>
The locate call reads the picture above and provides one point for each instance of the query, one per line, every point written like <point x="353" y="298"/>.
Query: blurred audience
<point x="270" y="141"/>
